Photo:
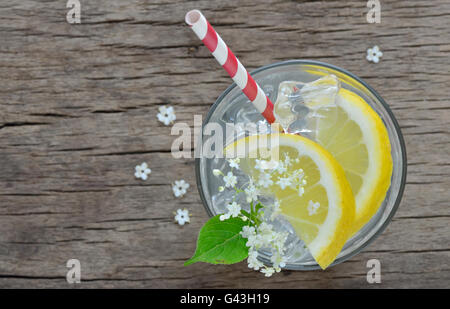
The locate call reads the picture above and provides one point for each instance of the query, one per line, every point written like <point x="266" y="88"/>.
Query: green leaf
<point x="220" y="242"/>
<point x="258" y="207"/>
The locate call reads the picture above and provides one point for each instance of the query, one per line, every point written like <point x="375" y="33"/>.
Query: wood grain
<point x="78" y="108"/>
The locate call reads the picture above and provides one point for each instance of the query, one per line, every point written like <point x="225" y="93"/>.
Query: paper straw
<point x="230" y="63"/>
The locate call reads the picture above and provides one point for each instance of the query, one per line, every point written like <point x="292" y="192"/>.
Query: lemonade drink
<point x="318" y="103"/>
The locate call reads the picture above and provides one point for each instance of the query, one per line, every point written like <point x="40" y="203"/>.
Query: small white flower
<point x="287" y="160"/>
<point x="264" y="236"/>
<point x="281" y="168"/>
<point x="253" y="261"/>
<point x="224" y="217"/>
<point x="268" y="271"/>
<point x="217" y="172"/>
<point x="247" y="231"/>
<point x="252" y="254"/>
<point x="254" y="241"/>
<point x="182" y="216"/>
<point x="259" y="165"/>
<point x="262" y="165"/>
<point x="267" y="238"/>
<point x="279" y="240"/>
<point x="251" y="193"/>
<point x="301" y="191"/>
<point x="230" y="180"/>
<point x="265" y="228"/>
<point x="166" y="115"/>
<point x="266" y="233"/>
<point x="374" y="54"/>
<point x="221" y="188"/>
<point x="275" y="210"/>
<point x="284" y="182"/>
<point x="180" y="188"/>
<point x="312" y="207"/>
<point x="265" y="180"/>
<point x="278" y="260"/>
<point x="234" y="209"/>
<point x="234" y="163"/>
<point x="141" y="171"/>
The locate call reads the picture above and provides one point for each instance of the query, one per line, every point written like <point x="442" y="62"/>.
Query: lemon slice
<point x="317" y="201"/>
<point x="356" y="137"/>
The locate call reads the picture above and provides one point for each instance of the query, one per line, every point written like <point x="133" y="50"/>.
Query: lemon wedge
<point x="310" y="185"/>
<point x="356" y="137"/>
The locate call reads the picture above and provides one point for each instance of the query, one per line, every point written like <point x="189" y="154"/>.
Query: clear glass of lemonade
<point x="232" y="107"/>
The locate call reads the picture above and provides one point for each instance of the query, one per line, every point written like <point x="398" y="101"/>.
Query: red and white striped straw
<point x="230" y="63"/>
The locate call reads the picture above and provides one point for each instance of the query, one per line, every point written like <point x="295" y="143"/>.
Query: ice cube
<point x="321" y="92"/>
<point x="287" y="100"/>
<point x="295" y="100"/>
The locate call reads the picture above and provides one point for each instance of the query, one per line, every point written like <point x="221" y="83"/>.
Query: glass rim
<point x="392" y="118"/>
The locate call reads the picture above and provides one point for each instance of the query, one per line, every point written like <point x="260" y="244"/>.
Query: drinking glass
<point x="233" y="107"/>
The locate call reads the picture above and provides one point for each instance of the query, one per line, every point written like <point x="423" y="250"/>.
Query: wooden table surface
<point x="78" y="107"/>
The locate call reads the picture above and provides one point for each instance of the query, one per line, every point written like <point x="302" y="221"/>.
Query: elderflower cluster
<point x="259" y="233"/>
<point x="276" y="172"/>
<point x="264" y="237"/>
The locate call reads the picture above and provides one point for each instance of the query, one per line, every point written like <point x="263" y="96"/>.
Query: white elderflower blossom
<point x="287" y="160"/>
<point x="142" y="171"/>
<point x="254" y="241"/>
<point x="230" y="180"/>
<point x="234" y="163"/>
<point x="279" y="240"/>
<point x="248" y="231"/>
<point x="182" y="216"/>
<point x="268" y="271"/>
<point x="278" y="260"/>
<point x="263" y="165"/>
<point x="234" y="210"/>
<point x="251" y="192"/>
<point x="253" y="261"/>
<point x="312" y="207"/>
<point x="166" y="115"/>
<point x="224" y="217"/>
<point x="259" y="233"/>
<point x="284" y="182"/>
<point x="259" y="165"/>
<point x="374" y="54"/>
<point x="281" y="168"/>
<point x="180" y="188"/>
<point x="265" y="180"/>
<point x="266" y="231"/>
<point x="264" y="236"/>
<point x="300" y="174"/>
<point x="265" y="228"/>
